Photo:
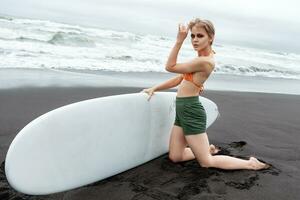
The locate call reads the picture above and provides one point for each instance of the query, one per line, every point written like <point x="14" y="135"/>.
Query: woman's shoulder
<point x="206" y="59"/>
<point x="209" y="61"/>
<point x="212" y="62"/>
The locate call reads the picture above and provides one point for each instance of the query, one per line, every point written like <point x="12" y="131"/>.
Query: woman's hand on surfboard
<point x="182" y="32"/>
<point x="149" y="91"/>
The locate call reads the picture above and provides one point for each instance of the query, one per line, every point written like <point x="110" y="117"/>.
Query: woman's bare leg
<point x="178" y="151"/>
<point x="212" y="150"/>
<point x="177" y="146"/>
<point x="200" y="146"/>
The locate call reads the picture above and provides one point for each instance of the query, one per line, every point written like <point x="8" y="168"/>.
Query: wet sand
<point x="251" y="124"/>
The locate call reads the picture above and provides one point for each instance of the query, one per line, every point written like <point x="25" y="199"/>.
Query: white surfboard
<point x="91" y="140"/>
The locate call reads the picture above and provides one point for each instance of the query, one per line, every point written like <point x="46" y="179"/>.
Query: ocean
<point x="40" y="44"/>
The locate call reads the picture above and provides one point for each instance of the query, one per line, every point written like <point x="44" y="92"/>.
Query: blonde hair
<point x="206" y="24"/>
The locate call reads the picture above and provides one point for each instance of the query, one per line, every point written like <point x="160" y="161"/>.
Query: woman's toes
<point x="214" y="149"/>
<point x="257" y="165"/>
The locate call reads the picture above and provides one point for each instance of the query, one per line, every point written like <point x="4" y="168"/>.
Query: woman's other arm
<point x="173" y="82"/>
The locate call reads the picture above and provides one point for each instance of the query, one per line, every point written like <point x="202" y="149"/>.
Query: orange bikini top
<point x="189" y="77"/>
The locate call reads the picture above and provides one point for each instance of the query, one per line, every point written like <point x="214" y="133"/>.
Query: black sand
<point x="264" y="125"/>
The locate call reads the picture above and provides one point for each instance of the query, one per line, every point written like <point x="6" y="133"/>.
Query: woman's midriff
<point x="186" y="89"/>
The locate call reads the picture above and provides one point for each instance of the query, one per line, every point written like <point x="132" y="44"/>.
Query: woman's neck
<point x="205" y="52"/>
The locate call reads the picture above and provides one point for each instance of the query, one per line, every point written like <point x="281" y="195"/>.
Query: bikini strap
<point x="201" y="87"/>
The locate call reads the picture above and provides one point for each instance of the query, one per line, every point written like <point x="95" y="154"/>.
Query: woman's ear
<point x="211" y="40"/>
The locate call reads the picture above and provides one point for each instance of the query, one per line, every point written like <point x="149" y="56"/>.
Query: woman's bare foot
<point x="213" y="150"/>
<point x="257" y="165"/>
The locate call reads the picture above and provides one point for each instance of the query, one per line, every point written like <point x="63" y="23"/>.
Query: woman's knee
<point x="175" y="157"/>
<point x="207" y="162"/>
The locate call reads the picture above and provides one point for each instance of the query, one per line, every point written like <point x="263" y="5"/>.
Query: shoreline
<point x="16" y="78"/>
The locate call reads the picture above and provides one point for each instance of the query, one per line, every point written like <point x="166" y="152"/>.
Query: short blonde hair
<point x="206" y="24"/>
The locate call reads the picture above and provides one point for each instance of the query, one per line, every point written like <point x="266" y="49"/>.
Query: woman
<point x="190" y="124"/>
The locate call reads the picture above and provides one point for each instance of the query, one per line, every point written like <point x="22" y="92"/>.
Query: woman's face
<point x="199" y="38"/>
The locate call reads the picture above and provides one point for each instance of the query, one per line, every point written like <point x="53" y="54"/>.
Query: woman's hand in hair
<point x="182" y="32"/>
